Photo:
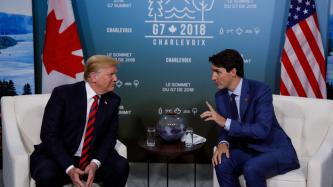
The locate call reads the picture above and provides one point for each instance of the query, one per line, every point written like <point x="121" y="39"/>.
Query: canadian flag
<point x="62" y="55"/>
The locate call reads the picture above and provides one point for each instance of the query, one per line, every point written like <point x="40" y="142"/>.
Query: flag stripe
<point x="316" y="21"/>
<point x="304" y="62"/>
<point x="291" y="72"/>
<point x="309" y="55"/>
<point x="322" y="64"/>
<point x="299" y="71"/>
<point x="287" y="82"/>
<point x="283" y="89"/>
<point x="316" y="33"/>
<point x="314" y="45"/>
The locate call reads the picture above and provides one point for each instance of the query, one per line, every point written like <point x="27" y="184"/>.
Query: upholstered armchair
<point x="309" y="124"/>
<point x="21" y="124"/>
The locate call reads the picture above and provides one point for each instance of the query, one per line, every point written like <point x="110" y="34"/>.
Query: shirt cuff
<point x="227" y="124"/>
<point x="97" y="162"/>
<point x="224" y="141"/>
<point x="69" y="168"/>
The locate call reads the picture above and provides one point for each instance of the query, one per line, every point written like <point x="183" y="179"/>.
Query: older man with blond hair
<point x="79" y="132"/>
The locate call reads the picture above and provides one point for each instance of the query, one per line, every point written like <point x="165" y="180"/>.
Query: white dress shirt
<point x="90" y="94"/>
<point x="237" y="92"/>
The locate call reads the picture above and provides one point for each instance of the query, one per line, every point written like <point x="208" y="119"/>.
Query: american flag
<point x="303" y="66"/>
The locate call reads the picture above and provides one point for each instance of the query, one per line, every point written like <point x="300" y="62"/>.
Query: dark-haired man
<point x="251" y="141"/>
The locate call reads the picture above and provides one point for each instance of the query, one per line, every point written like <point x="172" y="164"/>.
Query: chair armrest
<point x="121" y="149"/>
<point x="15" y="167"/>
<point x="15" y="157"/>
<point x="320" y="165"/>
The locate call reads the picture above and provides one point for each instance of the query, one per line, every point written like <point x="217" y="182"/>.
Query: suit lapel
<point x="102" y="109"/>
<point x="245" y="98"/>
<point x="81" y="103"/>
<point x="226" y="103"/>
<point x="105" y="106"/>
<point x="223" y="101"/>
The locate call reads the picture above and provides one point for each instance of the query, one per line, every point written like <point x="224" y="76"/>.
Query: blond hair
<point x="97" y="62"/>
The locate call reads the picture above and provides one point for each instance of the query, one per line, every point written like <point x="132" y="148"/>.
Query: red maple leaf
<point x="58" y="48"/>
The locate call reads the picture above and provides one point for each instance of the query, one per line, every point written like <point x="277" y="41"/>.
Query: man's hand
<point x="221" y="149"/>
<point x="211" y="114"/>
<point x="75" y="174"/>
<point x="90" y="171"/>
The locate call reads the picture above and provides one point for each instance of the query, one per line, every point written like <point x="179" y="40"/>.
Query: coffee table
<point x="169" y="150"/>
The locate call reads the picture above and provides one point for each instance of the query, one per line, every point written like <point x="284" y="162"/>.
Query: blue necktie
<point x="233" y="107"/>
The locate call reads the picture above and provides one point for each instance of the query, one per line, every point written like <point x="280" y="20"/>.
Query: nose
<point x="213" y="77"/>
<point x="115" y="78"/>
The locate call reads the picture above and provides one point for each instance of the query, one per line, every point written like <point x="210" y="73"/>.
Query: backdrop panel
<point x="164" y="45"/>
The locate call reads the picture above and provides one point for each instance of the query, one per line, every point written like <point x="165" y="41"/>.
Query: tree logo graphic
<point x="179" y="22"/>
<point x="155" y="8"/>
<point x="202" y="6"/>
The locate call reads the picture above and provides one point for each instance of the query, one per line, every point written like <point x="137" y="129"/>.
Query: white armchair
<point x="309" y="124"/>
<point x="21" y="124"/>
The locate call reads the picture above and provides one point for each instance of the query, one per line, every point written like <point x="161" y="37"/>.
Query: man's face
<point x="105" y="79"/>
<point x="221" y="77"/>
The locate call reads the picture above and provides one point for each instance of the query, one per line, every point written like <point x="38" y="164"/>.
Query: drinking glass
<point x="189" y="137"/>
<point x="151" y="133"/>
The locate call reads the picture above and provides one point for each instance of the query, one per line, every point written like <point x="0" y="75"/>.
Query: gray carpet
<point x="180" y="175"/>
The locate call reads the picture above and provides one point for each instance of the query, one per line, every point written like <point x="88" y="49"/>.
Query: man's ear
<point x="93" y="76"/>
<point x="233" y="71"/>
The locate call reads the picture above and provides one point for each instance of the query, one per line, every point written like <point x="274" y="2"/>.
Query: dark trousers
<point x="47" y="173"/>
<point x="256" y="168"/>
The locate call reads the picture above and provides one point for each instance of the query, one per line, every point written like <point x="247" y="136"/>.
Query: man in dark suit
<point x="79" y="132"/>
<point x="251" y="141"/>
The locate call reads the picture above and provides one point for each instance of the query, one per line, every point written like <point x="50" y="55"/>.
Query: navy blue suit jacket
<point x="258" y="129"/>
<point x="64" y="121"/>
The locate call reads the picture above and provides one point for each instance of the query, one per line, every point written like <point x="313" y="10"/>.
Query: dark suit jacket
<point x="259" y="129"/>
<point x="64" y="121"/>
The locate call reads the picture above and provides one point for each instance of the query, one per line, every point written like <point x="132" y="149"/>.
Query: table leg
<point x="148" y="173"/>
<point x="167" y="174"/>
<point x="195" y="173"/>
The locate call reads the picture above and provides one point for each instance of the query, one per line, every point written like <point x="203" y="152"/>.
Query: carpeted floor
<point x="180" y="175"/>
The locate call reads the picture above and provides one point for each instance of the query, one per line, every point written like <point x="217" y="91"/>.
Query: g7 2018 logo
<point x="179" y="22"/>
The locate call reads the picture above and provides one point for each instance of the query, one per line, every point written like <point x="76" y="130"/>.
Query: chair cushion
<point x="305" y="120"/>
<point x="29" y="113"/>
<point x="294" y="178"/>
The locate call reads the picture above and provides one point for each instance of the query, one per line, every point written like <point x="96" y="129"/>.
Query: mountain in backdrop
<point x="15" y="24"/>
<point x="6" y="41"/>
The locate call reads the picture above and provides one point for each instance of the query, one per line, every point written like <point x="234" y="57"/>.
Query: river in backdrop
<point x="17" y="62"/>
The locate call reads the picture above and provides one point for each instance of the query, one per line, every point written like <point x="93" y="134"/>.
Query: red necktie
<point x="88" y="136"/>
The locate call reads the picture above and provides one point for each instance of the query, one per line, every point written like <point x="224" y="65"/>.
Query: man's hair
<point x="229" y="59"/>
<point x="97" y="62"/>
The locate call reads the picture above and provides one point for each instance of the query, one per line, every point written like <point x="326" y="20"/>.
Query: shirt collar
<point x="238" y="89"/>
<point x="90" y="92"/>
